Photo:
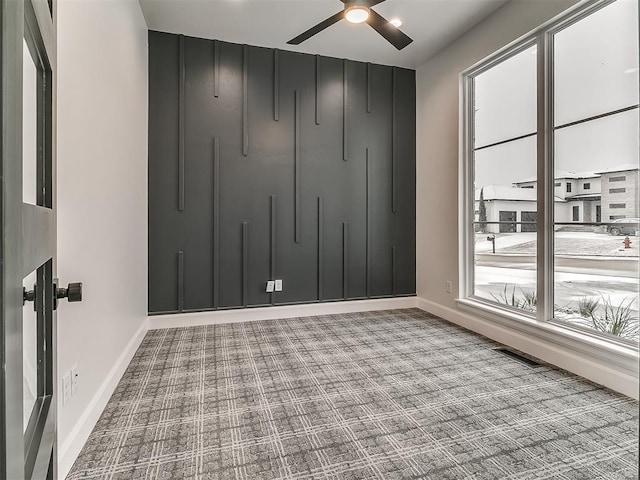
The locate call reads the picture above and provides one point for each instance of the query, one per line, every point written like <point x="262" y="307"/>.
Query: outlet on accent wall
<point x="449" y="286"/>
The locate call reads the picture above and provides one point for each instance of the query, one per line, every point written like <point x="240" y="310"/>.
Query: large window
<point x="558" y="109"/>
<point x="507" y="92"/>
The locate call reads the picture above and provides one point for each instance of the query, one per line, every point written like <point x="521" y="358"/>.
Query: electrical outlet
<point x="66" y="388"/>
<point x="278" y="285"/>
<point x="270" y="286"/>
<point x="449" y="286"/>
<point x="74" y="379"/>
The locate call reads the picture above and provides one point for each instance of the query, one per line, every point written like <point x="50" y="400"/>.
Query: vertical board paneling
<point x="378" y="123"/>
<point x="245" y="100"/>
<point x="394" y="262"/>
<point x="272" y="244"/>
<point x="181" y="128"/>
<point x="180" y="281"/>
<point x="334" y="235"/>
<point x="296" y="167"/>
<point x="367" y="230"/>
<point x="345" y="109"/>
<point x="368" y="88"/>
<point x="327" y="176"/>
<point x="345" y="260"/>
<point x="320" y="250"/>
<point x="164" y="216"/>
<point x="403" y="222"/>
<point x="363" y="133"/>
<point x="317" y="87"/>
<point x="276" y="85"/>
<point x="216" y="68"/>
<point x="292" y="180"/>
<point x="216" y="222"/>
<point x="261" y="175"/>
<point x="225" y="122"/>
<point x="197" y="226"/>
<point x="394" y="139"/>
<point x="245" y="264"/>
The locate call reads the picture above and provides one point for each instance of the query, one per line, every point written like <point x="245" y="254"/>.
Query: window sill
<point x="620" y="355"/>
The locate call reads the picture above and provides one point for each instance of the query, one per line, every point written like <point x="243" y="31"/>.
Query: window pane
<point x="505" y="100"/>
<point x="595" y="270"/>
<point x="29" y="127"/>
<point x="29" y="353"/>
<point x="597" y="72"/>
<point x="584" y="147"/>
<point x="505" y="224"/>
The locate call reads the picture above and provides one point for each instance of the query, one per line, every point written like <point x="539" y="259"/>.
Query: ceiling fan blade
<point x="370" y="3"/>
<point x="317" y="29"/>
<point x="394" y="36"/>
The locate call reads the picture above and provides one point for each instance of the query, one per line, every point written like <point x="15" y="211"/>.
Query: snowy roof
<point x="620" y="168"/>
<point x="585" y="196"/>
<point x="561" y="175"/>
<point x="501" y="192"/>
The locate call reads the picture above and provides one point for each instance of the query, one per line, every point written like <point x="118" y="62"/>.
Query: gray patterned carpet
<point x="387" y="395"/>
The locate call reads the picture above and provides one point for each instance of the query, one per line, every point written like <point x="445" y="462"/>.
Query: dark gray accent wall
<point x="267" y="164"/>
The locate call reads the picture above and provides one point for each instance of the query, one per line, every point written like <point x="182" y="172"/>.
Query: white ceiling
<point x="271" y="23"/>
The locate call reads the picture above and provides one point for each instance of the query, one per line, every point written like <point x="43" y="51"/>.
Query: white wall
<point x="102" y="202"/>
<point x="437" y="205"/>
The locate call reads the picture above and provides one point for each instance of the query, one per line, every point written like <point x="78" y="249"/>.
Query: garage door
<point x="528" y="217"/>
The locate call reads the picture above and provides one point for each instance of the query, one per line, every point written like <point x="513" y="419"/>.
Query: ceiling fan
<point x="358" y="11"/>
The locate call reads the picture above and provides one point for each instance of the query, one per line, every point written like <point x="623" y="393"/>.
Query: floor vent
<point x="517" y="356"/>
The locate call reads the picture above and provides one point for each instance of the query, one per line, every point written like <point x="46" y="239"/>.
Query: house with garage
<point x="584" y="198"/>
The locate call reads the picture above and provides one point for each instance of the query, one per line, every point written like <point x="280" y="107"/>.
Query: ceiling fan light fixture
<point x="358" y="11"/>
<point x="356" y="14"/>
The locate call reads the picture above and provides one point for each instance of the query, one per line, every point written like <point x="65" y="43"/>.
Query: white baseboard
<point x="598" y="371"/>
<point x="282" y="311"/>
<point x="70" y="447"/>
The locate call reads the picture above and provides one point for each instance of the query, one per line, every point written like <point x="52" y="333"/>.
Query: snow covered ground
<point x="567" y="243"/>
<point x="572" y="284"/>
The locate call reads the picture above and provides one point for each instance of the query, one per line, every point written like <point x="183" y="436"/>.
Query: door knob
<point x="29" y="296"/>
<point x="73" y="292"/>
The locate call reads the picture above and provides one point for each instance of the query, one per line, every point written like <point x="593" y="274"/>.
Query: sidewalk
<point x="566" y="243"/>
